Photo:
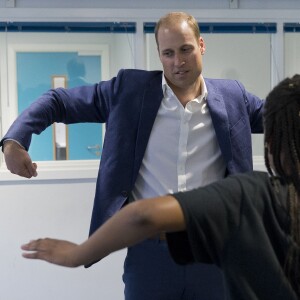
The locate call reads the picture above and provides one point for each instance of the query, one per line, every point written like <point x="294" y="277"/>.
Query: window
<point x="41" y="56"/>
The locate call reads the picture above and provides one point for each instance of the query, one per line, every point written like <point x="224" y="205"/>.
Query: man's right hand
<point x="18" y="160"/>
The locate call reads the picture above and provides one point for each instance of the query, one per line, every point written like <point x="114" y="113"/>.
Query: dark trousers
<point x="151" y="274"/>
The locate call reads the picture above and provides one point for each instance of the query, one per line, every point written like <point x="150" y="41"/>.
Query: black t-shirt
<point x="241" y="225"/>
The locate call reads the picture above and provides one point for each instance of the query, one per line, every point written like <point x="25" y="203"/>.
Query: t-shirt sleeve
<point x="212" y="215"/>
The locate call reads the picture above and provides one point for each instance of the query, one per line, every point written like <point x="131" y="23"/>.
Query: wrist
<point x="7" y="144"/>
<point x="74" y="257"/>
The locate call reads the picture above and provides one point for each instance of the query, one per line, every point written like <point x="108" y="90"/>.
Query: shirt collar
<point x="166" y="88"/>
<point x="164" y="85"/>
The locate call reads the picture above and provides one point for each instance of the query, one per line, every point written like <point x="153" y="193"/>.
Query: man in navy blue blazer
<point x="165" y="132"/>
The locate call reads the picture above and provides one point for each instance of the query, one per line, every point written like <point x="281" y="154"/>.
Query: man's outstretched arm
<point x="134" y="223"/>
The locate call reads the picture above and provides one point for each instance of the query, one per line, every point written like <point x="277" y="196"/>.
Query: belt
<point x="161" y="237"/>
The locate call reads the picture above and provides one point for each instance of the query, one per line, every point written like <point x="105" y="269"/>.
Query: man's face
<point x="180" y="54"/>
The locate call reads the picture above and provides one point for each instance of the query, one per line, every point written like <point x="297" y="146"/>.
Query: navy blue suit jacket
<point x="128" y="104"/>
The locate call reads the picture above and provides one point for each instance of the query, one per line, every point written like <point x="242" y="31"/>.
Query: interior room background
<point x="48" y="44"/>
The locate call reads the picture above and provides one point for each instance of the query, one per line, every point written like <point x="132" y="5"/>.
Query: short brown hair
<point x="175" y="17"/>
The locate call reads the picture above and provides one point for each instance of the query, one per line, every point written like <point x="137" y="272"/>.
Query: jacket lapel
<point x="151" y="101"/>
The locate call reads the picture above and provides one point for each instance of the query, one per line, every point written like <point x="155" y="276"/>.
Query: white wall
<point x="56" y="208"/>
<point x="62" y="207"/>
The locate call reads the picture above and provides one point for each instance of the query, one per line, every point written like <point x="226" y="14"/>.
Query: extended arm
<point x="129" y="226"/>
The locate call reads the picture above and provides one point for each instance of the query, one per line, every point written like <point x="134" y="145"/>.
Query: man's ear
<point x="202" y="45"/>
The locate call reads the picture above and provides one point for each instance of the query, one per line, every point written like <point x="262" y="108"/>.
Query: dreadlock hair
<point x="282" y="141"/>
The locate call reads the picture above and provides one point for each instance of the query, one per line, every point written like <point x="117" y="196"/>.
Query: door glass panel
<point x="36" y="73"/>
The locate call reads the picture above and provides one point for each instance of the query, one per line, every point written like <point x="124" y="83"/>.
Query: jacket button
<point x="124" y="193"/>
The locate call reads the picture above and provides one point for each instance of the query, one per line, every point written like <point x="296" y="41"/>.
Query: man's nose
<point x="179" y="61"/>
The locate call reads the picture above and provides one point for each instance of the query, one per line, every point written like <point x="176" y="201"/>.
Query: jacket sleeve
<point x="69" y="106"/>
<point x="255" y="110"/>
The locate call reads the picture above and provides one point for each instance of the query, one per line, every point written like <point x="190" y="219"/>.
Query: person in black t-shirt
<point x="246" y="224"/>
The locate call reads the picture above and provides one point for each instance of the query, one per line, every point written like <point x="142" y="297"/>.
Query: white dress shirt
<point x="183" y="152"/>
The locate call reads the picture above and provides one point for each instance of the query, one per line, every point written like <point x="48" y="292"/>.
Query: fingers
<point x="31" y="170"/>
<point x="54" y="251"/>
<point x="32" y="245"/>
<point x="25" y="168"/>
<point x="37" y="249"/>
<point x="27" y="171"/>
